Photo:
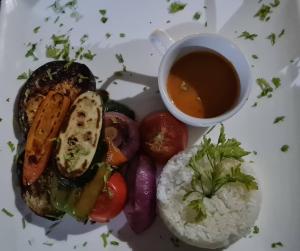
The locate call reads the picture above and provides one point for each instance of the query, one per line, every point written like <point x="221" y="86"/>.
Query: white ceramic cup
<point x="172" y="51"/>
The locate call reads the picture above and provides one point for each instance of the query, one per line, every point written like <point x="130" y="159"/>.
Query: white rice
<point x="231" y="212"/>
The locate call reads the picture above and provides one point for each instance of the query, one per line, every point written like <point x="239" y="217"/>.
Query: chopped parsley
<point x="122" y="34"/>
<point x="104" y="237"/>
<point x="284" y="148"/>
<point x="246" y="35"/>
<point x="60" y="47"/>
<point x="255" y="152"/>
<point x="176" y="6"/>
<point x="24" y="75"/>
<point x="36" y="29"/>
<point x="264" y="12"/>
<point x="197" y="15"/>
<point x="275" y="3"/>
<point x="104" y="19"/>
<point x="265" y="87"/>
<point x="23" y="223"/>
<point x="31" y="50"/>
<point x="120" y="59"/>
<point x="107" y="35"/>
<point x="84" y="244"/>
<point x="254" y="56"/>
<point x="209" y="174"/>
<point x="114" y="243"/>
<point x="84" y="38"/>
<point x="11" y="146"/>
<point x="278" y="119"/>
<point x="46" y="19"/>
<point x="255" y="230"/>
<point x="76" y="15"/>
<point x="276" y="244"/>
<point x="102" y="12"/>
<point x="78" y="53"/>
<point x="50" y="244"/>
<point x="276" y="82"/>
<point x="5" y="211"/>
<point x="56" y="19"/>
<point x="281" y="33"/>
<point x="89" y="55"/>
<point x="272" y="38"/>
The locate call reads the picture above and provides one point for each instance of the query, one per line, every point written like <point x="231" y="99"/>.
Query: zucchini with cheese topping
<point x="79" y="137"/>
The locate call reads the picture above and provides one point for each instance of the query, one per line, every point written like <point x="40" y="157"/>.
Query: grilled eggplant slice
<point x="79" y="138"/>
<point x="70" y="79"/>
<point x="37" y="196"/>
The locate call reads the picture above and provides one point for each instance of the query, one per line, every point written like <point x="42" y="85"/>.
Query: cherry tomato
<point x="112" y="201"/>
<point x="163" y="136"/>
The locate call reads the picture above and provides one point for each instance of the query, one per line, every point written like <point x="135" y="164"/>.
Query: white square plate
<point x="278" y="172"/>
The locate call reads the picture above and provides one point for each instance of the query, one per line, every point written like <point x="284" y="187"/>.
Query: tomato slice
<point x="111" y="201"/>
<point x="163" y="136"/>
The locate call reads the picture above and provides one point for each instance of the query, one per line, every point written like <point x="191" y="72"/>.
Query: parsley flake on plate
<point x="265" y="87"/>
<point x="104" y="237"/>
<point x="114" y="243"/>
<point x="11" y="146"/>
<point x="50" y="244"/>
<point x="104" y="19"/>
<point x="272" y="38"/>
<point x="255" y="230"/>
<point x="122" y="35"/>
<point x="275" y="3"/>
<point x="284" y="148"/>
<point x="254" y="56"/>
<point x="176" y="6"/>
<point x="281" y="33"/>
<point x="276" y="82"/>
<point x="197" y="15"/>
<point x="36" y="29"/>
<point x="84" y="38"/>
<point x="89" y="55"/>
<point x="31" y="50"/>
<point x="264" y="12"/>
<point x="5" y="211"/>
<point x="102" y="12"/>
<point x="24" y="75"/>
<point x="120" y="59"/>
<point x="278" y="119"/>
<point x="246" y="35"/>
<point x="276" y="244"/>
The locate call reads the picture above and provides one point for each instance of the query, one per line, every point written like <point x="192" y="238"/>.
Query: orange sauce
<point x="203" y="84"/>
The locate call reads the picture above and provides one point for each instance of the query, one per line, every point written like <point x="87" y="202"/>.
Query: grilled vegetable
<point x="78" y="141"/>
<point x="57" y="82"/>
<point x="91" y="192"/>
<point x="114" y="106"/>
<point x="141" y="203"/>
<point x="122" y="137"/>
<point x="37" y="195"/>
<point x="69" y="79"/>
<point x="44" y="129"/>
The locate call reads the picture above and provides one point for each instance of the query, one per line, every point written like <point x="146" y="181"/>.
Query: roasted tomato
<point x="111" y="201"/>
<point x="163" y="136"/>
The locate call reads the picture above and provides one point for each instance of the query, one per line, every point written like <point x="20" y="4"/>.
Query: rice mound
<point x="231" y="212"/>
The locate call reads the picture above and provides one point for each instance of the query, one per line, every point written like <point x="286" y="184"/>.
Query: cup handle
<point x="161" y="40"/>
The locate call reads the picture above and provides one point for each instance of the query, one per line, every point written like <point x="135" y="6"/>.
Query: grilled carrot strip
<point x="44" y="129"/>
